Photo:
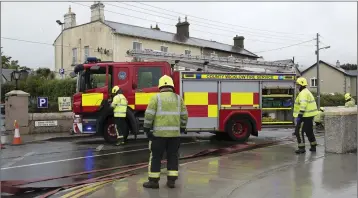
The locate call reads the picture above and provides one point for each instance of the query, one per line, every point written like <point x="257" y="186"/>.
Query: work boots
<point x="300" y="150"/>
<point x="152" y="183"/>
<point x="171" y="184"/>
<point x="313" y="149"/>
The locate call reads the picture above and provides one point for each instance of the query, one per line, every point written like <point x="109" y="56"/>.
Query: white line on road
<point x="77" y="158"/>
<point x="17" y="160"/>
<point x="100" y="147"/>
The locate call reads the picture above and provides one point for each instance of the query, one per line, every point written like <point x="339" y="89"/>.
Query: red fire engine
<point x="235" y="101"/>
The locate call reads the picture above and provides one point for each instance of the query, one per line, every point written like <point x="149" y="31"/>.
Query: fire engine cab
<point x="224" y="98"/>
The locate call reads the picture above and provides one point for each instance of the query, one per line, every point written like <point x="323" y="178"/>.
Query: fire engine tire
<point x="239" y="129"/>
<point x="109" y="133"/>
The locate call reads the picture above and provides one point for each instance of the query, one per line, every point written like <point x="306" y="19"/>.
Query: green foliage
<point x="349" y="66"/>
<point x="328" y="100"/>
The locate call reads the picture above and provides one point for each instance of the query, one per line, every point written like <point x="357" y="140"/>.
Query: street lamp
<point x="318" y="79"/>
<point x="16" y="75"/>
<point x="61" y="24"/>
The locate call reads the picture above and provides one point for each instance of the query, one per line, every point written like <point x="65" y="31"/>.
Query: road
<point x="67" y="156"/>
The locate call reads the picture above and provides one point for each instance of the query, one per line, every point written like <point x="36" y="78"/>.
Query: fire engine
<point x="226" y="97"/>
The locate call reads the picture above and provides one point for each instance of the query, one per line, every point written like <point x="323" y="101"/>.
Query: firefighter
<point x="319" y="118"/>
<point x="166" y="113"/>
<point x="350" y="102"/>
<point x="305" y="109"/>
<point x="119" y="105"/>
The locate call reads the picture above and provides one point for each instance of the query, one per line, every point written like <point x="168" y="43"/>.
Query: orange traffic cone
<point x="17" y="138"/>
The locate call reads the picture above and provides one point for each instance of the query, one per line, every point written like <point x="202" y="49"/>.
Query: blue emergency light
<point x="92" y="60"/>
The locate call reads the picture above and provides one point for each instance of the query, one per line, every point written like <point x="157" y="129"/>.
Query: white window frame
<point x="164" y="47"/>
<point x="137" y="42"/>
<point x="314" y="80"/>
<point x="74" y="56"/>
<point x="86" y="52"/>
<point x="187" y="50"/>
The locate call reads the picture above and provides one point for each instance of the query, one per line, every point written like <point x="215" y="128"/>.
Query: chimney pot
<point x="239" y="41"/>
<point x="183" y="28"/>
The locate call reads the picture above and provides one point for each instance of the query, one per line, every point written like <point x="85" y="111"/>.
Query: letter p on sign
<point x="42" y="102"/>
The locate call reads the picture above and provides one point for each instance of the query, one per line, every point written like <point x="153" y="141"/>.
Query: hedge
<point x="38" y="86"/>
<point x="328" y="100"/>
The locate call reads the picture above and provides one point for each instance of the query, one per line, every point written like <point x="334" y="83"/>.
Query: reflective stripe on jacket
<point x="305" y="104"/>
<point x="166" y="113"/>
<point x="350" y="103"/>
<point x="119" y="104"/>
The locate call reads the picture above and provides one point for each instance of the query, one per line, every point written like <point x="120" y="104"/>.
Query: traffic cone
<point x="17" y="138"/>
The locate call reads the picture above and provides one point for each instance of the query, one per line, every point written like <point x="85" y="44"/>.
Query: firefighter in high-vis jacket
<point x="119" y="105"/>
<point x="350" y="102"/>
<point x="305" y="109"/>
<point x="166" y="113"/>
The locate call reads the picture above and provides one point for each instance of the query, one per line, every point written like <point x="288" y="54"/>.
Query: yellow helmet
<point x="165" y="81"/>
<point x="347" y="96"/>
<point x="115" y="89"/>
<point x="301" y="81"/>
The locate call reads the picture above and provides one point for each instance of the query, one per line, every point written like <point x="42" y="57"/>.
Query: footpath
<point x="269" y="172"/>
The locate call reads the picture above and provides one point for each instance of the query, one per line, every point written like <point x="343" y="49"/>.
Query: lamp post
<point x="318" y="79"/>
<point x="61" y="24"/>
<point x="16" y="74"/>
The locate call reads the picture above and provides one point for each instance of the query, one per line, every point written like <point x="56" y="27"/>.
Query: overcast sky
<point x="265" y="26"/>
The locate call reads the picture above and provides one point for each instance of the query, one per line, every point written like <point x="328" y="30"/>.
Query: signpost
<point x="62" y="72"/>
<point x="64" y="104"/>
<point x="42" y="102"/>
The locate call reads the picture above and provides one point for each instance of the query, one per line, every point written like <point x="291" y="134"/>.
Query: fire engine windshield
<point x="89" y="79"/>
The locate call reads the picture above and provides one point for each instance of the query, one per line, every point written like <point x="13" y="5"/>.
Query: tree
<point x="348" y="66"/>
<point x="45" y="73"/>
<point x="7" y="63"/>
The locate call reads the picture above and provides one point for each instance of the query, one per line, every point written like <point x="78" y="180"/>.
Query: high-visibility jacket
<point x="166" y="113"/>
<point x="119" y="104"/>
<point x="306" y="104"/>
<point x="350" y="103"/>
<point x="319" y="118"/>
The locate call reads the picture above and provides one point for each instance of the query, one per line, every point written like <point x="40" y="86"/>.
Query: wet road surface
<point x="68" y="156"/>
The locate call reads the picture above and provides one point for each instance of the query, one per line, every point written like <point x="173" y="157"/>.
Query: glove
<point x="298" y="119"/>
<point x="182" y="130"/>
<point x="149" y="134"/>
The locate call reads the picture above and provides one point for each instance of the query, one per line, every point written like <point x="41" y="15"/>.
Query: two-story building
<point x="109" y="41"/>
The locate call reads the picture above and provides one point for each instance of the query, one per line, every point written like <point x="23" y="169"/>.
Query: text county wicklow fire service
<point x="225" y="97"/>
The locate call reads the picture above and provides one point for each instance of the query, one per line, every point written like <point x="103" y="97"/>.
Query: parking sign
<point x="62" y="71"/>
<point x="42" y="102"/>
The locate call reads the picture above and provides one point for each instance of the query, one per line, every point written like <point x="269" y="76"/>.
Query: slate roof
<point x="345" y="72"/>
<point x="131" y="30"/>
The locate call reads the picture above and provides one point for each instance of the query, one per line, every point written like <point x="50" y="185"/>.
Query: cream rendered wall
<point x="124" y="43"/>
<point x="94" y="35"/>
<point x="353" y="89"/>
<point x="333" y="80"/>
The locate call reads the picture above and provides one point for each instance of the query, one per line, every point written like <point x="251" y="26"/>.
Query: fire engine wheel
<point x="239" y="129"/>
<point x="109" y="132"/>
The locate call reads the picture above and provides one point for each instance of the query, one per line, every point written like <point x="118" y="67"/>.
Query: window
<point x="163" y="48"/>
<point x="86" y="52"/>
<point x="187" y="52"/>
<point x="137" y="46"/>
<point x="149" y="77"/>
<point x="74" y="55"/>
<point x="313" y="82"/>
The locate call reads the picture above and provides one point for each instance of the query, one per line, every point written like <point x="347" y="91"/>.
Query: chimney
<point x="97" y="11"/>
<point x="70" y="19"/>
<point x="156" y="27"/>
<point x="239" y="41"/>
<point x="183" y="28"/>
<point x="338" y="64"/>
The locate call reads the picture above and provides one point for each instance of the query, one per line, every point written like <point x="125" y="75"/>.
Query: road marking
<point x="100" y="147"/>
<point x="77" y="158"/>
<point x="17" y="160"/>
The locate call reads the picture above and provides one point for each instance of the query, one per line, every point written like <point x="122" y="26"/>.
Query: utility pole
<point x="62" y="47"/>
<point x="318" y="79"/>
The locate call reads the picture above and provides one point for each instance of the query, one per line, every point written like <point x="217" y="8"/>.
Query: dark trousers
<point x="157" y="146"/>
<point x="121" y="128"/>
<point x="305" y="126"/>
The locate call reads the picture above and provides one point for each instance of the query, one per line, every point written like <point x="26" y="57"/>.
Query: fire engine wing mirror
<point x="73" y="75"/>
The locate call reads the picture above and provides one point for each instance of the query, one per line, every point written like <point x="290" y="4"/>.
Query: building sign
<point x="46" y="123"/>
<point x="64" y="104"/>
<point x="237" y="77"/>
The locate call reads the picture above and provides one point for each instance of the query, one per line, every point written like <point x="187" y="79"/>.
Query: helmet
<point x="322" y="108"/>
<point x="115" y="89"/>
<point x="301" y="81"/>
<point x="165" y="81"/>
<point x="347" y="96"/>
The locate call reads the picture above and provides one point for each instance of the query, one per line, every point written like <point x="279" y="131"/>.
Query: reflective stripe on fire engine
<point x="143" y="98"/>
<point x="92" y="99"/>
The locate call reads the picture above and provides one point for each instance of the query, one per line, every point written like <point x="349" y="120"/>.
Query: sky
<point x="266" y="26"/>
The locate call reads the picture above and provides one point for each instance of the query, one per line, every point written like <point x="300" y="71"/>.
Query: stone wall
<point x="64" y="122"/>
<point x="340" y="129"/>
